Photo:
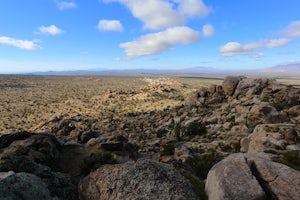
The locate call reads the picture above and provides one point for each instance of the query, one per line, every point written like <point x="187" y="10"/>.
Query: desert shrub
<point x="198" y="185"/>
<point x="196" y="128"/>
<point x="167" y="149"/>
<point x="291" y="159"/>
<point x="95" y="161"/>
<point x="161" y="132"/>
<point x="177" y="129"/>
<point x="201" y="164"/>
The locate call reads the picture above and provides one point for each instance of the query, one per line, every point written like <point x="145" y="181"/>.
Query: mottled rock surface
<point x="142" y="179"/>
<point x="232" y="178"/>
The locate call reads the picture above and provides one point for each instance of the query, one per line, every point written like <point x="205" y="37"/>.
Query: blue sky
<point x="42" y="35"/>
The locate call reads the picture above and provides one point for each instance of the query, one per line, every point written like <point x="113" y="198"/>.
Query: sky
<point x="58" y="35"/>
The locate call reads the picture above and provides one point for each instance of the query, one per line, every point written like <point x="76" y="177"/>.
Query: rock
<point x="278" y="180"/>
<point x="272" y="137"/>
<point x="229" y="84"/>
<point x="36" y="155"/>
<point x="23" y="186"/>
<point x="264" y="113"/>
<point x="250" y="87"/>
<point x="252" y="176"/>
<point x="85" y="136"/>
<point x="182" y="153"/>
<point x="4" y="175"/>
<point x="245" y="144"/>
<point x="41" y="148"/>
<point x="232" y="178"/>
<point x="141" y="179"/>
<point x="6" y="140"/>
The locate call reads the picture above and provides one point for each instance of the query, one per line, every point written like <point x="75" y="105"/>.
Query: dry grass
<point x="29" y="101"/>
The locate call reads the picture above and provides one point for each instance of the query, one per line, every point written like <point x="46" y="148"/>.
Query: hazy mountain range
<point x="291" y="70"/>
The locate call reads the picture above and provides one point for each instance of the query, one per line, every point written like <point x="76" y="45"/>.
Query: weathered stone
<point x="229" y="84"/>
<point x="143" y="179"/>
<point x="232" y="178"/>
<point x="278" y="180"/>
<point x="23" y="186"/>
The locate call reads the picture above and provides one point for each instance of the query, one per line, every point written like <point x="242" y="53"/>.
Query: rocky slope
<point x="80" y="157"/>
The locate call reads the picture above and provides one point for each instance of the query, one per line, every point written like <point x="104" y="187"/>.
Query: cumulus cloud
<point x="293" y="29"/>
<point x="235" y="48"/>
<point x="208" y="30"/>
<point x="22" y="44"/>
<point x="63" y="5"/>
<point x="192" y="8"/>
<point x="155" y="43"/>
<point x="160" y="14"/>
<point x="277" y="42"/>
<point x="50" y="30"/>
<point x="110" y="25"/>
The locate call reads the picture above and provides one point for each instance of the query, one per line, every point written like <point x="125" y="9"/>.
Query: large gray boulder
<point x="252" y="176"/>
<point x="141" y="179"/>
<point x="232" y="179"/>
<point x="23" y="186"/>
<point x="279" y="181"/>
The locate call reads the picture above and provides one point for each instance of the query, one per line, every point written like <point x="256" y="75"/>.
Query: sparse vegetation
<point x="95" y="161"/>
<point x="290" y="158"/>
<point x="203" y="163"/>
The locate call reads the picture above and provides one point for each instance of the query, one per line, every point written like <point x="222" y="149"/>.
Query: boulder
<point x="23" y="186"/>
<point x="232" y="178"/>
<point x="230" y="83"/>
<point x="252" y="176"/>
<point x="279" y="181"/>
<point x="141" y="179"/>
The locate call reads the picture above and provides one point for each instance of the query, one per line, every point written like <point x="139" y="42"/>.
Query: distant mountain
<point x="288" y="68"/>
<point x="283" y="71"/>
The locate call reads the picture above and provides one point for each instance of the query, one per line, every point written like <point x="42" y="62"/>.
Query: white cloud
<point x="50" y="30"/>
<point x="277" y="42"/>
<point x="110" y="25"/>
<point x="192" y="8"/>
<point x="208" y="30"/>
<point x="22" y="44"/>
<point x="293" y="29"/>
<point x="155" y="43"/>
<point x="161" y="14"/>
<point x="235" y="48"/>
<point x="63" y="5"/>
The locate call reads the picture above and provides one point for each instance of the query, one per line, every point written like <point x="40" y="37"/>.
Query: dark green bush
<point x="196" y="128"/>
<point x="198" y="185"/>
<point x="291" y="159"/>
<point x="167" y="149"/>
<point x="95" y="161"/>
<point x="203" y="163"/>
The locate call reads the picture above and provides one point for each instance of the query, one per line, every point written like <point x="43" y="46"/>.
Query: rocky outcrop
<point x="252" y="176"/>
<point x="141" y="179"/>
